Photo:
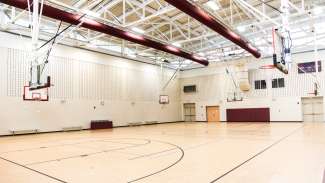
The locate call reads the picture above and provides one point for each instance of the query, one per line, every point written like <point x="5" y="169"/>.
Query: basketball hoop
<point x="36" y="96"/>
<point x="235" y="96"/>
<point x="315" y="93"/>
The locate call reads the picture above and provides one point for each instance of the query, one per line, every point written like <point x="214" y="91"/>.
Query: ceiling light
<point x="187" y="61"/>
<point x="93" y="14"/>
<point x="259" y="42"/>
<point x="177" y="44"/>
<point x="138" y="30"/>
<point x="241" y="28"/>
<point x="213" y="5"/>
<point x="132" y="55"/>
<point x="299" y="34"/>
<point x="92" y="45"/>
<point x="317" y="11"/>
<point x="201" y="54"/>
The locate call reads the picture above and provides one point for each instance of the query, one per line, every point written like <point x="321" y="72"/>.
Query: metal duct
<point x="71" y="18"/>
<point x="205" y="18"/>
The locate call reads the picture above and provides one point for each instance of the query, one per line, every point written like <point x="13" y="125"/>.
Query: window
<point x="281" y="82"/>
<point x="260" y="84"/>
<point x="309" y="67"/>
<point x="278" y="83"/>
<point x="274" y="83"/>
<point x="263" y="84"/>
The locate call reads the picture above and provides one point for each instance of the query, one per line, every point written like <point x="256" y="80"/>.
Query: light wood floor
<point x="169" y="153"/>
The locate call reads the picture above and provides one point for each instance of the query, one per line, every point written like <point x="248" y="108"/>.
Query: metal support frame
<point x="190" y="34"/>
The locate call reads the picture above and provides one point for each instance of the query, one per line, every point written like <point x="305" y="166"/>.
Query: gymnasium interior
<point x="162" y="91"/>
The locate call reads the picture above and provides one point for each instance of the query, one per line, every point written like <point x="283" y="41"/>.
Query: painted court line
<point x="23" y="166"/>
<point x="166" y="168"/>
<point x="324" y="177"/>
<point x="90" y="154"/>
<point x="152" y="154"/>
<point x="253" y="157"/>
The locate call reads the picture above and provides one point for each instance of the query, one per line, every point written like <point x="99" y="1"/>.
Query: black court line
<point x="253" y="157"/>
<point x="41" y="173"/>
<point x="152" y="154"/>
<point x="71" y="144"/>
<point x="164" y="169"/>
<point x="84" y="155"/>
<point x="89" y="154"/>
<point x="172" y="133"/>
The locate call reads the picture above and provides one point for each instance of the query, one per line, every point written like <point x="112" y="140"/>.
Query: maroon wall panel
<point x="248" y="115"/>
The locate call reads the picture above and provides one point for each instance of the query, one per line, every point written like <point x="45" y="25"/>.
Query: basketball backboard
<point x="35" y="95"/>
<point x="163" y="99"/>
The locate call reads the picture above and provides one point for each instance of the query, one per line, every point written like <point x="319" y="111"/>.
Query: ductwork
<point x="205" y="18"/>
<point x="74" y="19"/>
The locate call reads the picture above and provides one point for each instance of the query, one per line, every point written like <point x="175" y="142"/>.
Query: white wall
<point x="82" y="79"/>
<point x="284" y="103"/>
<point x="281" y="108"/>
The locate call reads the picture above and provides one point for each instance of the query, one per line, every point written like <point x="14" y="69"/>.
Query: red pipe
<point x="70" y="18"/>
<point x="205" y="18"/>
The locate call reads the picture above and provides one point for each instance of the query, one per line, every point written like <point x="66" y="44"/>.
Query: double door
<point x="313" y="110"/>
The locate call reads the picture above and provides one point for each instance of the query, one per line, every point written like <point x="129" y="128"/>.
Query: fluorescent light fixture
<point x="177" y="44"/>
<point x="259" y="42"/>
<point x="241" y="28"/>
<point x="201" y="54"/>
<point x="138" y="30"/>
<point x="132" y="55"/>
<point x="317" y="10"/>
<point x="299" y="34"/>
<point x="92" y="45"/>
<point x="213" y="5"/>
<point x="299" y="42"/>
<point x="187" y="61"/>
<point x="93" y="14"/>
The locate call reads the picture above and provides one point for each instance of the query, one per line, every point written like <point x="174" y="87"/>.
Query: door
<point x="189" y="112"/>
<point x="313" y="109"/>
<point x="213" y="114"/>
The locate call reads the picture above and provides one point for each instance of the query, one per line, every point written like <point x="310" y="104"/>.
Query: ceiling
<point x="156" y="19"/>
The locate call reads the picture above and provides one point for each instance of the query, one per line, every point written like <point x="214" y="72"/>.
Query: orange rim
<point x="267" y="67"/>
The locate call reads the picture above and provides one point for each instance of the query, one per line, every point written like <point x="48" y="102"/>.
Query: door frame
<point x="190" y="103"/>
<point x="206" y="111"/>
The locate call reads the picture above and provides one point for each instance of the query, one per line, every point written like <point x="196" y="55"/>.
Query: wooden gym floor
<point x="169" y="153"/>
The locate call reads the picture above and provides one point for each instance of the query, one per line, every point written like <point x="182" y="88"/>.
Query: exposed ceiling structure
<point x="162" y="22"/>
